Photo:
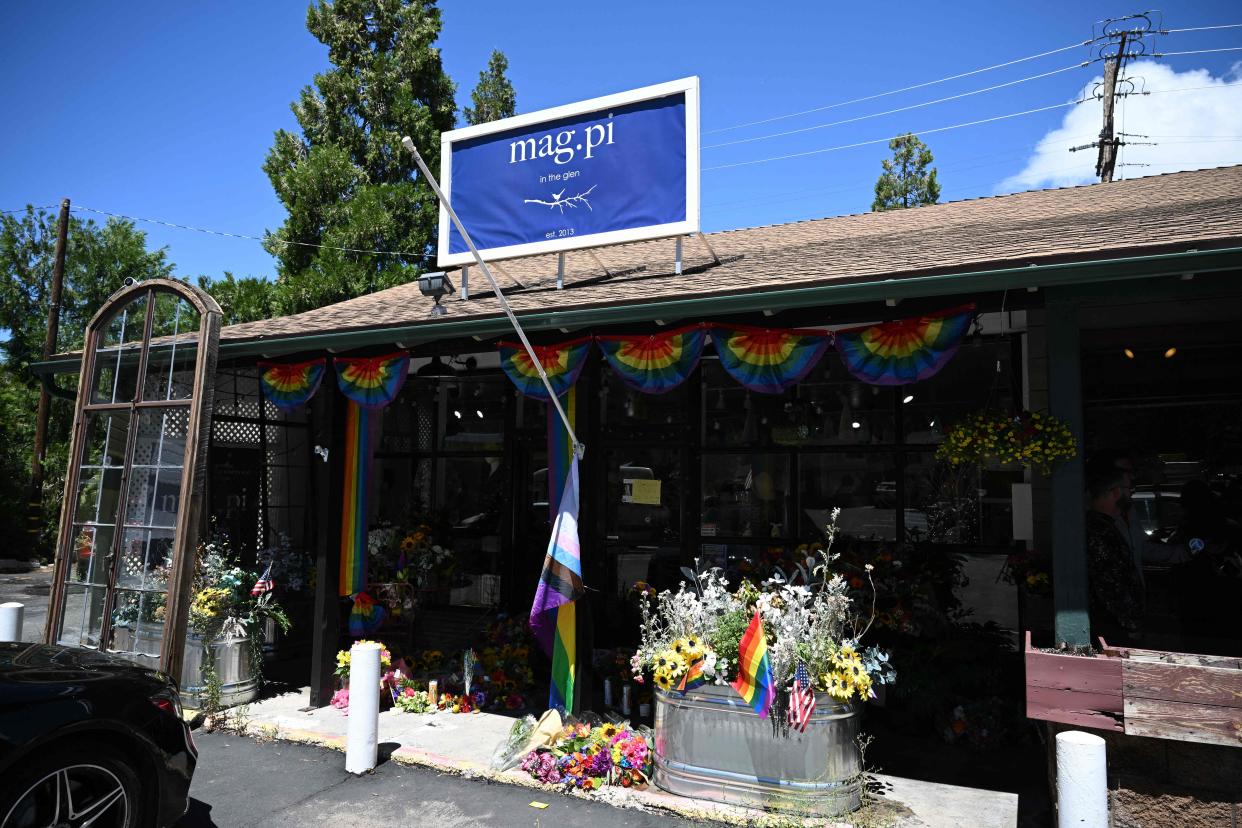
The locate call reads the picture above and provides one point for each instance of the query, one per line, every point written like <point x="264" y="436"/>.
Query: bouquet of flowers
<point x="411" y="555"/>
<point x="390" y="679"/>
<point x="1028" y="570"/>
<point x="815" y="625"/>
<point x="291" y="569"/>
<point x="1034" y="439"/>
<point x="587" y="758"/>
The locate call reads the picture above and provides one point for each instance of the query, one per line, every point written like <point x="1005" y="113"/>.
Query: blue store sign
<point x="613" y="169"/>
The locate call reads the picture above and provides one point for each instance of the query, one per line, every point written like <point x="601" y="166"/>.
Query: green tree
<point x="906" y="181"/>
<point x="345" y="181"/>
<point x="493" y="97"/>
<point x="247" y="299"/>
<point x="97" y="262"/>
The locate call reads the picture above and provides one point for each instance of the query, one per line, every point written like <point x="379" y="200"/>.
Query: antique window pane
<point x="117" y="353"/>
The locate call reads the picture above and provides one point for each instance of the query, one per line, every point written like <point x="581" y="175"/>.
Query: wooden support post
<point x="327" y="620"/>
<point x="1069" y="539"/>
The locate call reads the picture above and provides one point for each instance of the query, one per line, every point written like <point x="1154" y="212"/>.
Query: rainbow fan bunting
<point x="657" y="363"/>
<point x="562" y="363"/>
<point x="755" y="683"/>
<point x="768" y="360"/>
<point x="289" y="385"/>
<point x="904" y="350"/>
<point x="372" y="382"/>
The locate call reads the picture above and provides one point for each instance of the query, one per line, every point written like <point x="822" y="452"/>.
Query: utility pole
<point x="1109" y="143"/>
<point x="35" y="499"/>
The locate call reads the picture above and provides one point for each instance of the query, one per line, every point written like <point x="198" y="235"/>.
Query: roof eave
<point x="1032" y="275"/>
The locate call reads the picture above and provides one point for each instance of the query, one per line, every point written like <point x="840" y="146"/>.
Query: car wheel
<point x="85" y="786"/>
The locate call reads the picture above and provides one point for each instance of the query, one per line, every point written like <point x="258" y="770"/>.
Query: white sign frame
<point x="689" y="86"/>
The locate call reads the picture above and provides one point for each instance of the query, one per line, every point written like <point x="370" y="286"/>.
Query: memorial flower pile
<point x="816" y="624"/>
<point x="588" y="758"/>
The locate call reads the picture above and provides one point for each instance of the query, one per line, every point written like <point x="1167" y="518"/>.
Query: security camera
<point x="129" y="280"/>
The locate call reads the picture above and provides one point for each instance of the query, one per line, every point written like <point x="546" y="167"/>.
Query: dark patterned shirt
<point x="1116" y="587"/>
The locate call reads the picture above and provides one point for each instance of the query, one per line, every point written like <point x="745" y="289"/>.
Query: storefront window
<point x="862" y="485"/>
<point x="746" y="495"/>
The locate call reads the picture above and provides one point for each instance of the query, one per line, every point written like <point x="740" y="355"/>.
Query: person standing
<point x="1115" y="585"/>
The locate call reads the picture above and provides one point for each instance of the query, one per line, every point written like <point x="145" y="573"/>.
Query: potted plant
<point x="708" y="741"/>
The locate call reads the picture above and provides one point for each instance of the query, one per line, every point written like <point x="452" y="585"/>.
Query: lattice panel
<point x="229" y="433"/>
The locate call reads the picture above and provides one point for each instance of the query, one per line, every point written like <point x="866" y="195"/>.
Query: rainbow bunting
<point x="354" y="513"/>
<point x="562" y="363"/>
<point x="755" y="683"/>
<point x="289" y="385"/>
<point x="372" y="382"/>
<point x="553" y="616"/>
<point x="904" y="350"/>
<point x="657" y="363"/>
<point x="366" y="616"/>
<point x="692" y="678"/>
<point x="768" y="360"/>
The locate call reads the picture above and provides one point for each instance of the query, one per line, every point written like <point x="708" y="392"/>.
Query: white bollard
<point x="1082" y="781"/>
<point x="11" y="621"/>
<point x="362" y="741"/>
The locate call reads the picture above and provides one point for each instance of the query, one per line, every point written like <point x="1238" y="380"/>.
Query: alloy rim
<point x="76" y="796"/>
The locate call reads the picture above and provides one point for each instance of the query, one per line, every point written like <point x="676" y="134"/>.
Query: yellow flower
<point x="839" y="687"/>
<point x="689" y="648"/>
<point x="609" y="730"/>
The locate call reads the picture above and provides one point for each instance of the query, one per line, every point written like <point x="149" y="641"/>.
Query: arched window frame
<point x="189" y="507"/>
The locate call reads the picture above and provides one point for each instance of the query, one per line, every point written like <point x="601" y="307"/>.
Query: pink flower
<point x="409" y="691"/>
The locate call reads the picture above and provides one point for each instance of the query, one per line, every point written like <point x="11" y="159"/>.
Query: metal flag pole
<point x="579" y="448"/>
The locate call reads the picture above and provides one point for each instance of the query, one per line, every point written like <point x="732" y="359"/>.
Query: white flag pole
<point x="579" y="448"/>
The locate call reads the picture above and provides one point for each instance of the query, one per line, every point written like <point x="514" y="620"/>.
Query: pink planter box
<point x="1084" y="691"/>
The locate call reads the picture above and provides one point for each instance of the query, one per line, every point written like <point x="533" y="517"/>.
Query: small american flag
<point x="264" y="585"/>
<point x="801" y="699"/>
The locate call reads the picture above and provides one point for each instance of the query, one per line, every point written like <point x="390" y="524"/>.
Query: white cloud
<point x="1192" y="130"/>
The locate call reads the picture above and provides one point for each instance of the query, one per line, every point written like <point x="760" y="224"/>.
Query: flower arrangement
<point x="811" y="624"/>
<point x="292" y="569"/>
<point x="390" y="679"/>
<point x="588" y="758"/>
<point x="410" y="699"/>
<point x="1034" y="439"/>
<point x="409" y="555"/>
<point x="1028" y="570"/>
<point x="343" y="658"/>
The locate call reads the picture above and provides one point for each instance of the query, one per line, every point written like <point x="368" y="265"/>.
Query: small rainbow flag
<point x="366" y="616"/>
<point x="755" y="683"/>
<point x="692" y="678"/>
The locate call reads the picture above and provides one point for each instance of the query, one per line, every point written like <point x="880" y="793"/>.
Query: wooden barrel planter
<point x="234" y="664"/>
<point x="709" y="744"/>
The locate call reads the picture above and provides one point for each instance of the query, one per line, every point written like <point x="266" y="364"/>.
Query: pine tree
<point x="345" y="181"/>
<point x="906" y="182"/>
<point x="493" y="97"/>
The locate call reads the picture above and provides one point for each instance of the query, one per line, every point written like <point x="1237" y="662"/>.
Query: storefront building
<point x="1113" y="307"/>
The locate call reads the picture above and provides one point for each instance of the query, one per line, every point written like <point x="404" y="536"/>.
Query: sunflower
<point x="609" y="730"/>
<point x="663" y="680"/>
<point x="839" y="688"/>
<point x="408" y="543"/>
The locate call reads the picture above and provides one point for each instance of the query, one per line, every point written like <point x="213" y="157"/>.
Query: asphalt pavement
<point x="31" y="589"/>
<point x="243" y="782"/>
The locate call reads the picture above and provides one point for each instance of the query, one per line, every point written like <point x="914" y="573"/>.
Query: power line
<point x="1195" y="52"/>
<point x="947" y="128"/>
<point x="898" y="91"/>
<point x="24" y="209"/>
<point x="899" y="109"/>
<point x="886" y="140"/>
<point x="77" y="208"/>
<point x="1202" y="28"/>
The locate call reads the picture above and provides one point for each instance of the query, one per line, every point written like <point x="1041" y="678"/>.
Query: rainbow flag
<point x="657" y="363"/>
<point x="692" y="678"/>
<point x="755" y="683"/>
<point x="288" y="386"/>
<point x="904" y="350"/>
<point x="366" y="616"/>
<point x="553" y="616"/>
<point x="562" y="363"/>
<point x="768" y="360"/>
<point x="354" y="509"/>
<point x="372" y="382"/>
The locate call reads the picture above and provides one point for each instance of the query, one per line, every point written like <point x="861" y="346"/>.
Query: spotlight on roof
<point x="435" y="285"/>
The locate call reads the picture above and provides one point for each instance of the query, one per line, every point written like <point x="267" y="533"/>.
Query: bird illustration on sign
<point x="560" y="202"/>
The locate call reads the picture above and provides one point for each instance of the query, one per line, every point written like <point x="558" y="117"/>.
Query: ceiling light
<point x="1169" y="354"/>
<point x="931" y="423"/>
<point x="456" y="413"/>
<point x="909" y="399"/>
<point x="1129" y="354"/>
<point x="856" y="424"/>
<point x="479" y="412"/>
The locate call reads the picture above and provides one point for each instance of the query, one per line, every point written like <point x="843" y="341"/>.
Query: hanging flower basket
<point x="1033" y="439"/>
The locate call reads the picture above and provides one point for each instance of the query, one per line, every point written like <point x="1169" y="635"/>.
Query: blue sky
<point x="166" y="110"/>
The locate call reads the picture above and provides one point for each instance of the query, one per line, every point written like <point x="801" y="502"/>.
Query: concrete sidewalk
<point x="463" y="744"/>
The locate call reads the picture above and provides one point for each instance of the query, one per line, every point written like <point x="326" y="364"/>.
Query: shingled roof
<point x="1173" y="212"/>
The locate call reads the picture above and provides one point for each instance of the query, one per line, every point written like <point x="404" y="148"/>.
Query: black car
<point x="88" y="739"/>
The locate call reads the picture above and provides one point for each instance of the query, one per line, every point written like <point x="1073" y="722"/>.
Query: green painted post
<point x="1069" y="560"/>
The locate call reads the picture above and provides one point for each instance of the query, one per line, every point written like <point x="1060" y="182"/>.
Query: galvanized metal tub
<point x="234" y="666"/>
<point x="710" y="745"/>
